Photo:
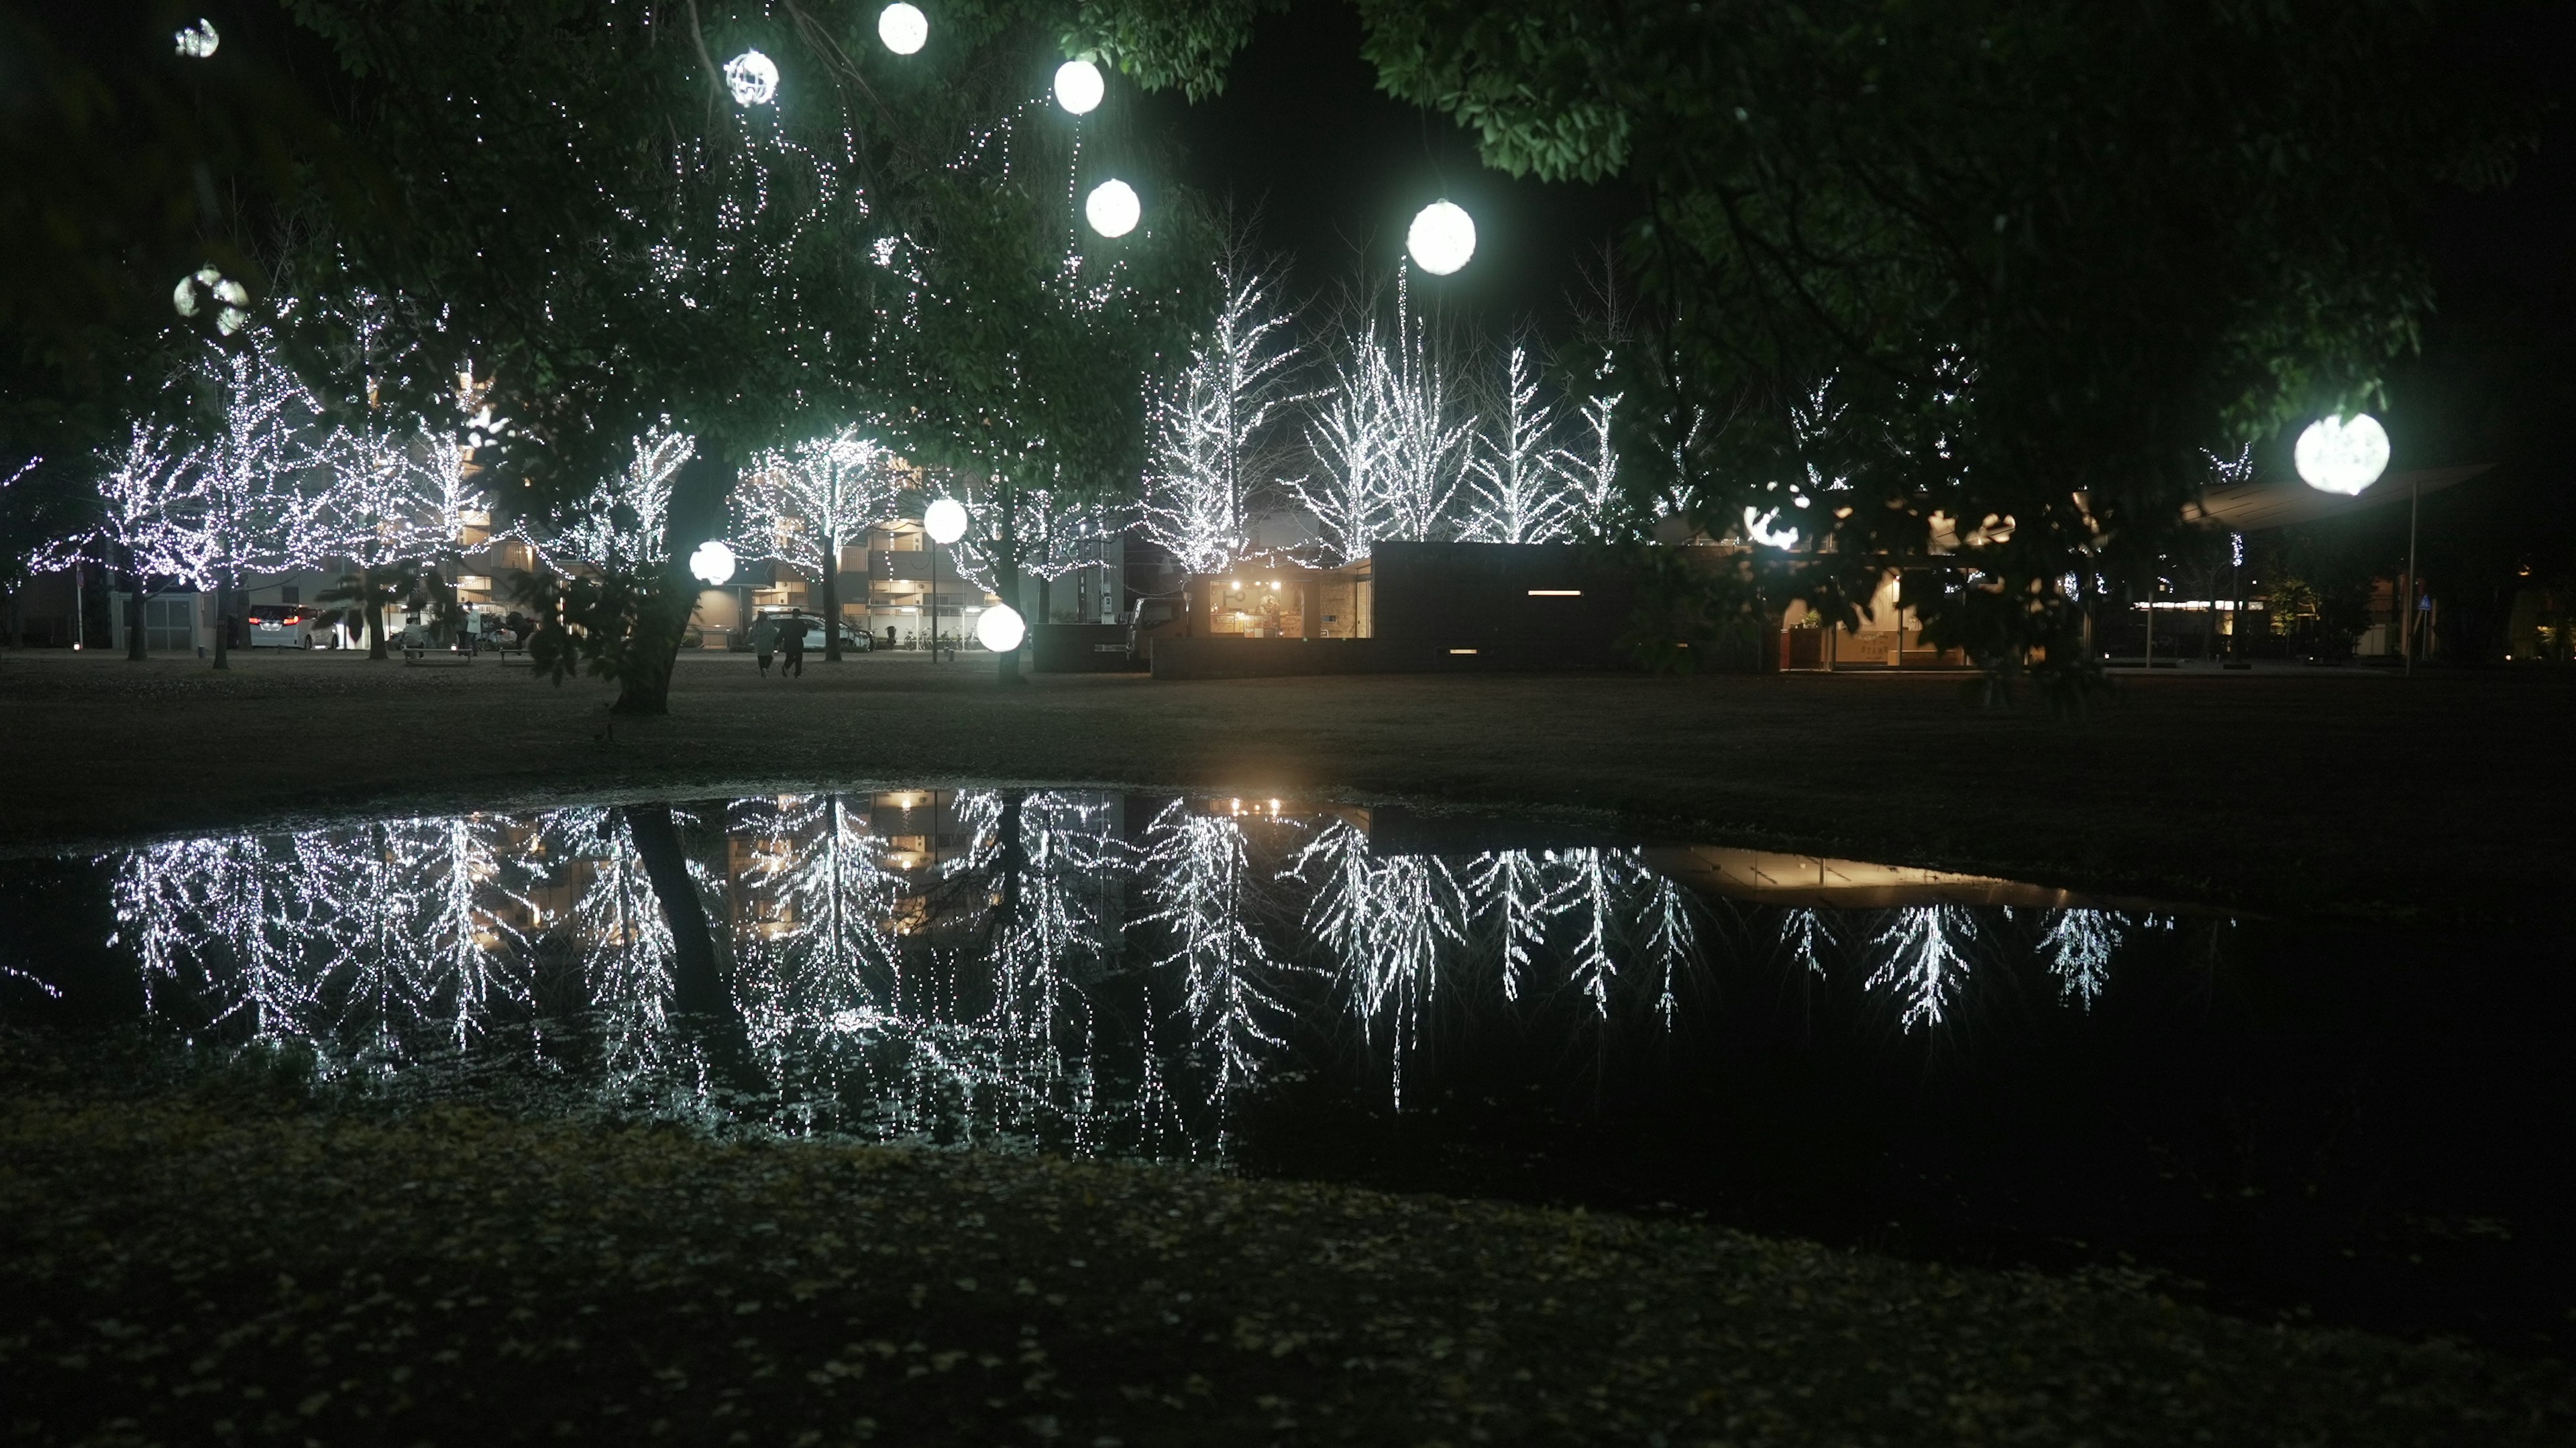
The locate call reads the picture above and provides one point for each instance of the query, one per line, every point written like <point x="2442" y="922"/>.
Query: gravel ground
<point x="2352" y="792"/>
<point x="210" y="1263"/>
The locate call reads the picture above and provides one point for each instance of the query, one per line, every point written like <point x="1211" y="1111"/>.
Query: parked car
<point x="281" y="625"/>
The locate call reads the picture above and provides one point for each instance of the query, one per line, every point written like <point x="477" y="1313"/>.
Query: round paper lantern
<point x="198" y="41"/>
<point x="753" y="79"/>
<point x="1112" y="208"/>
<point x="1000" y="629"/>
<point x="1078" y="86"/>
<point x="903" y="28"/>
<point x="1442" y="239"/>
<point x="712" y="563"/>
<point x="2343" y="455"/>
<point x="946" y="521"/>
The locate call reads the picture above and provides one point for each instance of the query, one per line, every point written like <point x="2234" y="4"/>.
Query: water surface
<point x="2359" y="1122"/>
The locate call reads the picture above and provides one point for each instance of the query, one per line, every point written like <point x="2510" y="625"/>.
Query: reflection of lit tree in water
<point x="813" y="938"/>
<point x="1926" y="961"/>
<point x="1804" y="932"/>
<point x="1511" y="889"/>
<point x="354" y="935"/>
<point x="2079" y="944"/>
<point x="223" y="918"/>
<point x="1385" y="923"/>
<point x="1197" y="875"/>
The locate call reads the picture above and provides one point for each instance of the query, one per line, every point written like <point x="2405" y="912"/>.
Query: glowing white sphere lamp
<point x="753" y="79"/>
<point x="945" y="520"/>
<point x="1112" y="208"/>
<point x="1000" y="629"/>
<point x="1079" y="87"/>
<point x="198" y="41"/>
<point x="712" y="563"/>
<point x="2343" y="455"/>
<point x="1442" y="239"/>
<point x="1758" y="526"/>
<point x="903" y="28"/>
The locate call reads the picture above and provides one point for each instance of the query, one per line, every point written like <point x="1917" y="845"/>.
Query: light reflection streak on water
<point x="992" y="967"/>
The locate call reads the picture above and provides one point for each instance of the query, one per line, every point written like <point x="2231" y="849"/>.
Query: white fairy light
<point x="1001" y="628"/>
<point x="1442" y="238"/>
<point x="2343" y="455"/>
<point x="198" y="41"/>
<point x="1079" y="87"/>
<point x="903" y="28"/>
<point x="1112" y="208"/>
<point x="753" y="79"/>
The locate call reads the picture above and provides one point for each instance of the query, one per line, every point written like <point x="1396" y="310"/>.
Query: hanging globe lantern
<point x="2343" y="455"/>
<point x="198" y="41"/>
<point x="1000" y="629"/>
<point x="903" y="28"/>
<point x="1079" y="87"/>
<point x="945" y="520"/>
<point x="753" y="79"/>
<point x="712" y="563"/>
<point x="1112" y="208"/>
<point x="1443" y="237"/>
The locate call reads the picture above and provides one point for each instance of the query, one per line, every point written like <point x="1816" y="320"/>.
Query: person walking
<point x="794" y="644"/>
<point x="764" y="638"/>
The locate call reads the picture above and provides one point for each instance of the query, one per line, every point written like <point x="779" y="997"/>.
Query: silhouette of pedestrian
<point x="794" y="644"/>
<point x="764" y="639"/>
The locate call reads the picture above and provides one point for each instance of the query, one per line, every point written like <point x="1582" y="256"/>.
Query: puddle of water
<point x="1906" y="1058"/>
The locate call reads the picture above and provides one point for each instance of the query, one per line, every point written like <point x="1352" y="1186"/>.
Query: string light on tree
<point x="1112" y="208"/>
<point x="2343" y="455"/>
<point x="1442" y="238"/>
<point x="903" y="28"/>
<point x="753" y="79"/>
<point x="198" y="41"/>
<point x="1079" y="87"/>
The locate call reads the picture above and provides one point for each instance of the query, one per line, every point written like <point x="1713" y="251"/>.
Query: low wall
<point x="1081" y="648"/>
<point x="1244" y="658"/>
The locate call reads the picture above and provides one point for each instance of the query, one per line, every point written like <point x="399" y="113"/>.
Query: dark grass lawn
<point x="224" y="1261"/>
<point x="2440" y="798"/>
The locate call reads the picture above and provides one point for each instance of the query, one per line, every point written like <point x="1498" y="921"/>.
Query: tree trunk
<point x="698" y="493"/>
<point x="223" y="631"/>
<point x="697" y="986"/>
<point x="831" y="600"/>
<point x="372" y="604"/>
<point x="133" y="612"/>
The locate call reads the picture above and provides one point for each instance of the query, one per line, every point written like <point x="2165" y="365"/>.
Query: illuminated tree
<point x="802" y="505"/>
<point x="1428" y="443"/>
<point x="1210" y="419"/>
<point x="1387" y="924"/>
<point x="1352" y="439"/>
<point x="1518" y="494"/>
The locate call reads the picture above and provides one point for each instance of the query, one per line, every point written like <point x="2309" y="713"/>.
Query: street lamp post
<point x="945" y="521"/>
